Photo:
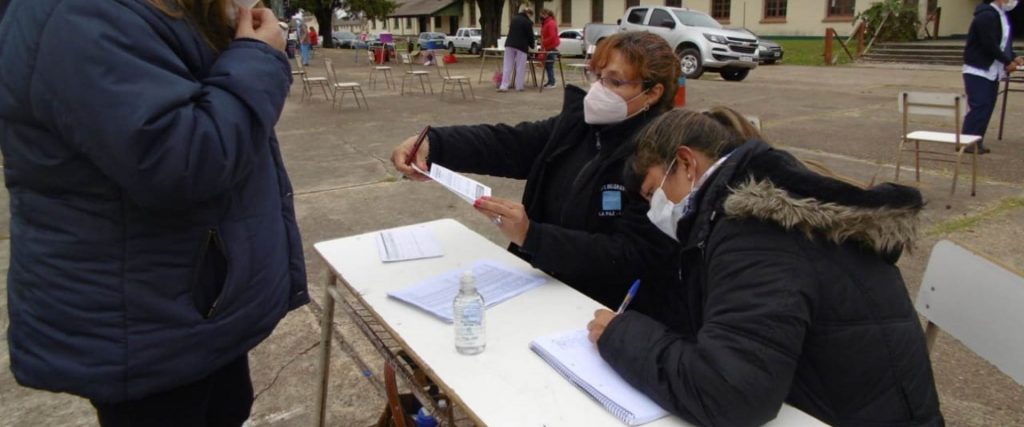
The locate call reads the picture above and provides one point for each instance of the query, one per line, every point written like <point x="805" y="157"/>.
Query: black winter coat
<point x="983" y="39"/>
<point x="792" y="296"/>
<point x="520" y="33"/>
<point x="596" y="248"/>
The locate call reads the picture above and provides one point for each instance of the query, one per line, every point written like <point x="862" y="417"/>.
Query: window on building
<point x="395" y="23"/>
<point x="720" y="9"/>
<point x="636" y="16"/>
<point x="566" y="12"/>
<point x="840" y="8"/>
<point x="437" y="22"/>
<point x="408" y="23"/>
<point x="631" y="3"/>
<point x="674" y="3"/>
<point x="596" y="10"/>
<point x="775" y="9"/>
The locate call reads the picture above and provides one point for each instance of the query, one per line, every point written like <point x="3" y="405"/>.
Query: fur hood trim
<point x="885" y="229"/>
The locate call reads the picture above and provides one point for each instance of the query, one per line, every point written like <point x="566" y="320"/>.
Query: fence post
<point x="938" y="17"/>
<point x="829" y="32"/>
<point x="861" y="29"/>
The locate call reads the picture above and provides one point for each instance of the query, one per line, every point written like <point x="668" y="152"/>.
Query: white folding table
<point x="507" y="384"/>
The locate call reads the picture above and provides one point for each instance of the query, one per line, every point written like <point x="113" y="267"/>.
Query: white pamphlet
<point x="494" y="281"/>
<point x="466" y="188"/>
<point x="407" y="243"/>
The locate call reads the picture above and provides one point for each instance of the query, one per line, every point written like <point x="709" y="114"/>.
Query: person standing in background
<point x="304" y="40"/>
<point x="520" y="40"/>
<point x="153" y="239"/>
<point x="988" y="57"/>
<point x="549" y="42"/>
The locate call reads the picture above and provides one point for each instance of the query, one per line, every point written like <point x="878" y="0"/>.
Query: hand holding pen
<point x="604" y="316"/>
<point x="413" y="152"/>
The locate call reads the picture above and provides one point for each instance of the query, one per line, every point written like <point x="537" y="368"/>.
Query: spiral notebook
<point x="577" y="359"/>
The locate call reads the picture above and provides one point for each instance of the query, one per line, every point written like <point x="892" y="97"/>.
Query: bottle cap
<point x="468" y="281"/>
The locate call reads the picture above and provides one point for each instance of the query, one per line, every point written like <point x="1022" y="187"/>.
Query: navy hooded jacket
<point x="153" y="234"/>
<point x="983" y="39"/>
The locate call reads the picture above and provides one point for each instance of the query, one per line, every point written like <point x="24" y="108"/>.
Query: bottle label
<point x="469" y="325"/>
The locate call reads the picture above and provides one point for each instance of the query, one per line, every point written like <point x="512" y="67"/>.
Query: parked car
<point x="465" y="39"/>
<point x="700" y="42"/>
<point x="431" y="40"/>
<point x="501" y="40"/>
<point x="768" y="52"/>
<point x="344" y="39"/>
<point x="571" y="43"/>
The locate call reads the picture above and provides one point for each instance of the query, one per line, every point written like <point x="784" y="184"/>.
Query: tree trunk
<point x="490" y="21"/>
<point x="324" y="14"/>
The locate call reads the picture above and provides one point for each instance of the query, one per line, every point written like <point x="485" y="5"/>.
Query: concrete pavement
<point x="844" y="117"/>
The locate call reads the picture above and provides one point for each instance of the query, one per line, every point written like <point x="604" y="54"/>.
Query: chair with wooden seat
<point x="977" y="301"/>
<point x="309" y="82"/>
<point x="338" y="87"/>
<point x="411" y="73"/>
<point x="584" y="66"/>
<point x="447" y="79"/>
<point x="376" y="69"/>
<point x="949" y="147"/>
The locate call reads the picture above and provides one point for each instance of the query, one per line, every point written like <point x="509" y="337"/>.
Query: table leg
<point x="326" y="326"/>
<point x="561" y="70"/>
<point x="483" y="60"/>
<point x="1002" y="115"/>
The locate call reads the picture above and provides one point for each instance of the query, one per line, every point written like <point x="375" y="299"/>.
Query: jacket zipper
<point x="213" y="237"/>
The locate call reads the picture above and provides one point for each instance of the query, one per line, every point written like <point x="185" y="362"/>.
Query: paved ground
<point x="845" y="117"/>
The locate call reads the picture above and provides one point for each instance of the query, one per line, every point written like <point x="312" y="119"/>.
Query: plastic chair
<point x="308" y="82"/>
<point x="410" y="73"/>
<point x="947" y="105"/>
<point x="342" y="87"/>
<point x="978" y="302"/>
<point x="377" y="69"/>
<point x="447" y="79"/>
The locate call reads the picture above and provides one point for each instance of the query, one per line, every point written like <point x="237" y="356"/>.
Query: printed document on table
<point x="466" y="188"/>
<point x="407" y="243"/>
<point x="494" y="281"/>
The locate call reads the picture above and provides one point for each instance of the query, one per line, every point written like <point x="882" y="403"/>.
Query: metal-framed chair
<point x="447" y="79"/>
<point x="411" y="73"/>
<point x="378" y="69"/>
<point x="308" y="82"/>
<point x="338" y="87"/>
<point x="977" y="301"/>
<point x="946" y="105"/>
<point x="584" y="66"/>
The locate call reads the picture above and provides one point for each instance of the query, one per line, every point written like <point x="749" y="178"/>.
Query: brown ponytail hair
<point x="207" y="15"/>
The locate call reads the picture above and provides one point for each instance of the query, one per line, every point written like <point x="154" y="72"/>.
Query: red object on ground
<point x="681" y="93"/>
<point x="449" y="59"/>
<point x="378" y="55"/>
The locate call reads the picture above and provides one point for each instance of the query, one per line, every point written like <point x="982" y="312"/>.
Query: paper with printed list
<point x="494" y="281"/>
<point x="467" y="189"/>
<point x="407" y="243"/>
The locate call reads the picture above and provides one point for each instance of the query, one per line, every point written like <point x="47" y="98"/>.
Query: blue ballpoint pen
<point x="629" y="296"/>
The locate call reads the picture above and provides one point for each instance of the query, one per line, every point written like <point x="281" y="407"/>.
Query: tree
<point x="323" y="10"/>
<point x="490" y="21"/>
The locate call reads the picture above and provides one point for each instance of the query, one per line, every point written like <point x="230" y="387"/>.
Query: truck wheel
<point x="735" y="74"/>
<point x="451" y="48"/>
<point x="474" y="49"/>
<point x="690" y="62"/>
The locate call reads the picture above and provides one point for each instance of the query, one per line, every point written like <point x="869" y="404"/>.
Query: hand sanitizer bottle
<point x="468" y="309"/>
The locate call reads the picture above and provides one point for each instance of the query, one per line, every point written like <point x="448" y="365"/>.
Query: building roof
<point x="421" y="7"/>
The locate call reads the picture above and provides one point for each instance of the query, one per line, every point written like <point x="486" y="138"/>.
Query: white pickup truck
<point x="465" y="39"/>
<point x="700" y="42"/>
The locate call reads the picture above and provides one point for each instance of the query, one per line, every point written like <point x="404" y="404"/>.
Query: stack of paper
<point x="577" y="359"/>
<point x="407" y="243"/>
<point x="466" y="188"/>
<point x="495" y="282"/>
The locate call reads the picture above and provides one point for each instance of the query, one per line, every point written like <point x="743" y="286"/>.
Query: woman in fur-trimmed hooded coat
<point x="791" y="295"/>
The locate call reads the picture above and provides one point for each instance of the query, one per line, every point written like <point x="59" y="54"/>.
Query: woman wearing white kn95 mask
<point x="581" y="218"/>
<point x="142" y="158"/>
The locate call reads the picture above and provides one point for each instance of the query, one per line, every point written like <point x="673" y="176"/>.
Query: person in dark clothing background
<point x="790" y="289"/>
<point x="988" y="57"/>
<point x="577" y="221"/>
<point x="518" y="43"/>
<point x="152" y="231"/>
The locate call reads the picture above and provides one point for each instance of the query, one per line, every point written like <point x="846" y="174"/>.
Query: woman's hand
<point x="259" y="24"/>
<point x="597" y="326"/>
<point x="509" y="216"/>
<point x="400" y="156"/>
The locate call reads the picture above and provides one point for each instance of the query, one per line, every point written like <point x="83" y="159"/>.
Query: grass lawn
<point x="811" y="51"/>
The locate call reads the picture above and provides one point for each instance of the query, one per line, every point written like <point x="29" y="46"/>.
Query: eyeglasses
<point x="613" y="83"/>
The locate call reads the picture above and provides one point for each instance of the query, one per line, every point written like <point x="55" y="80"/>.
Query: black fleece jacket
<point x="600" y="240"/>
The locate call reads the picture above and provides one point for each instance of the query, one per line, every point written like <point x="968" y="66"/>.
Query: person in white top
<point x="988" y="58"/>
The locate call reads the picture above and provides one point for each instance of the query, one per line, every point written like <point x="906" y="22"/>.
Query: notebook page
<point x="407" y="243"/>
<point x="494" y="281"/>
<point x="573" y="352"/>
